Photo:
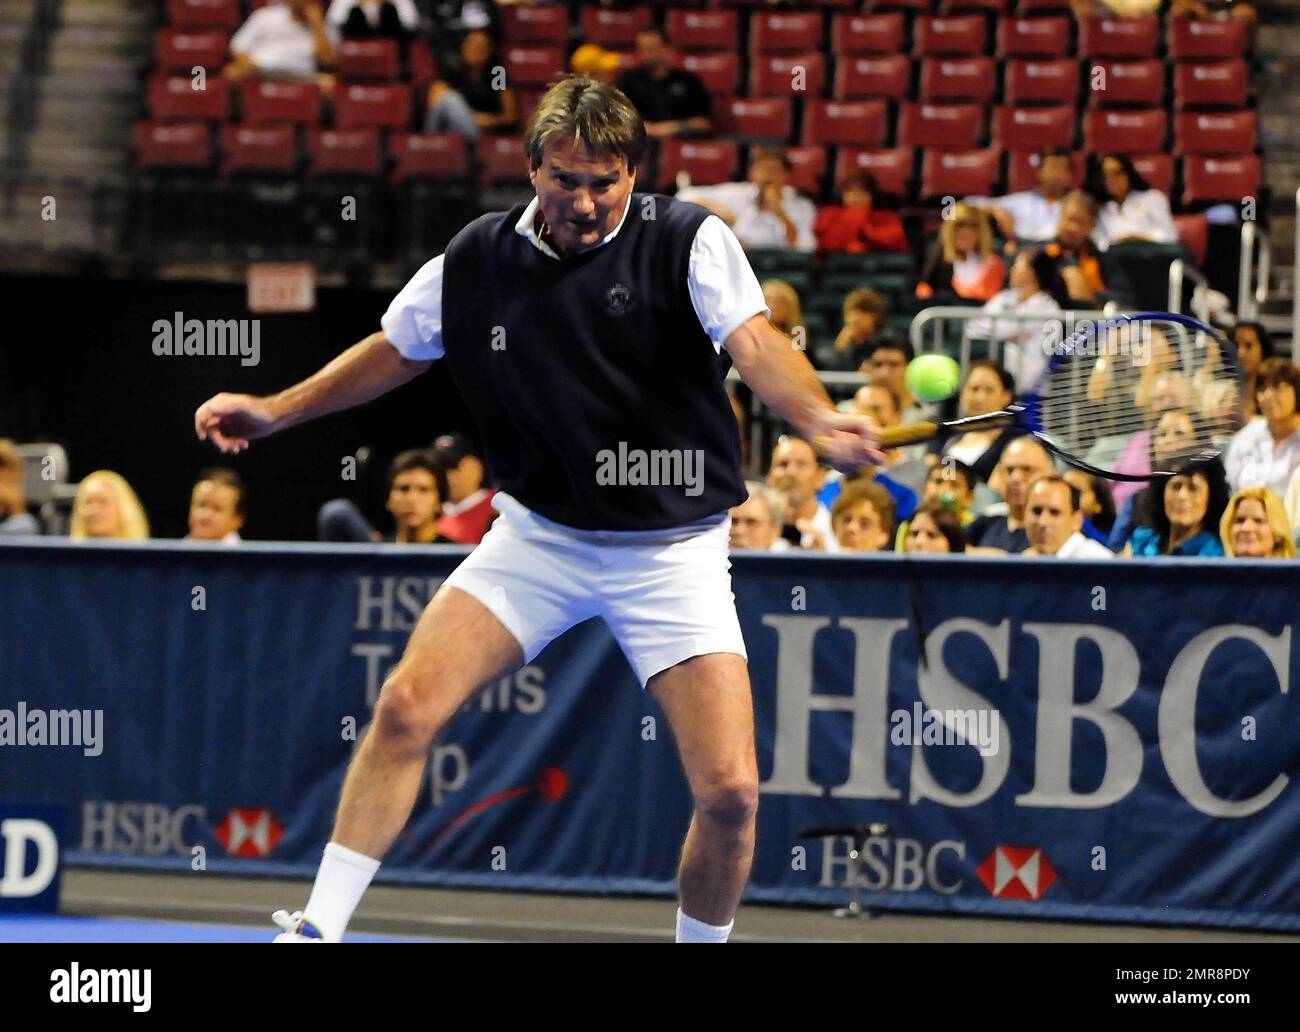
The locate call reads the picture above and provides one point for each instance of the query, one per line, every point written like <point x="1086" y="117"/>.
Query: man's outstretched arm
<point x="365" y="371"/>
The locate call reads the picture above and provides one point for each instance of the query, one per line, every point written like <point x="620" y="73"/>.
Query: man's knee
<point x="730" y="802"/>
<point x="412" y="708"/>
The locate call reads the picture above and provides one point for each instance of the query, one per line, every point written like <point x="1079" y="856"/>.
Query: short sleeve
<point x="413" y="322"/>
<point x="723" y="287"/>
<point x="248" y="34"/>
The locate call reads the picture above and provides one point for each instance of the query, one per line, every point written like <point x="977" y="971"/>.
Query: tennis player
<point x="585" y="330"/>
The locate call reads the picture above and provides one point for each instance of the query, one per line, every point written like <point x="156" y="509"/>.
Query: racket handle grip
<point x="898" y="436"/>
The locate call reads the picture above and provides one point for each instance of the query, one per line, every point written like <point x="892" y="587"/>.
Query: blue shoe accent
<point x="308" y="930"/>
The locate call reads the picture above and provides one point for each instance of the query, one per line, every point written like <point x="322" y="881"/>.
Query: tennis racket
<point x="1110" y="381"/>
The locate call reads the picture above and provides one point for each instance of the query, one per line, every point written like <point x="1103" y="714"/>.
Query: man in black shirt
<point x="1024" y="460"/>
<point x="671" y="101"/>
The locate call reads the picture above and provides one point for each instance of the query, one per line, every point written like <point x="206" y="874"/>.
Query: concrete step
<point x="103" y="40"/>
<point x="74" y="111"/>
<point x="71" y="60"/>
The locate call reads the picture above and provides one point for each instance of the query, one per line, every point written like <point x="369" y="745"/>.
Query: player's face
<point x="752" y="526"/>
<point x="1250" y="534"/>
<point x="924" y="535"/>
<point x="413" y="498"/>
<point x="582" y="193"/>
<point x="859" y="528"/>
<point x="1049" y="522"/>
<point x="212" y="511"/>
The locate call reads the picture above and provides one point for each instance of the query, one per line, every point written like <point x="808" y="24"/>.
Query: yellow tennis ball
<point x="933" y="377"/>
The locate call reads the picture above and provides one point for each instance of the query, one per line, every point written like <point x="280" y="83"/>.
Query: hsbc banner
<point x="1105" y="741"/>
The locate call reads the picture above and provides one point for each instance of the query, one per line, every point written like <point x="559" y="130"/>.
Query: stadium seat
<point x="1118" y="37"/>
<point x="344" y="152"/>
<point x="787" y="32"/>
<point x="892" y="168"/>
<point x="1214" y="132"/>
<point x="705" y="161"/>
<point x="1054" y="81"/>
<point x="422" y="67"/>
<point x="780" y="75"/>
<point x="958" y="126"/>
<point x="186" y="145"/>
<point x="861" y="76"/>
<point x="1190" y="39"/>
<point x="534" y="24"/>
<point x="1041" y="6"/>
<point x="1209" y="180"/>
<point x="704" y="30"/>
<point x="720" y="73"/>
<point x="958" y="173"/>
<point x="1033" y="128"/>
<point x="853" y="123"/>
<point x="502" y="159"/>
<point x="1194" y="232"/>
<point x="177" y="51"/>
<point x="360" y="107"/>
<point x="534" y="66"/>
<point x="373" y="59"/>
<point x="1156" y="169"/>
<point x="204" y="14"/>
<point x="1022" y="171"/>
<point x="1126" y="82"/>
<point x="529" y="100"/>
<point x="913" y="6"/>
<point x="957" y="78"/>
<point x="267" y="102"/>
<point x="867" y="33"/>
<point x="615" y="29"/>
<point x="1212" y="84"/>
<point x="428" y="156"/>
<point x="997" y="7"/>
<point x="1128" y="132"/>
<point x="173" y="98"/>
<point x="768" y="118"/>
<point x="937" y="35"/>
<point x="807" y="169"/>
<point x="258" y="148"/>
<point x="1033" y="37"/>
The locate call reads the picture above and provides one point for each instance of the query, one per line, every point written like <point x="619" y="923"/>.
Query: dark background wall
<point x="77" y="367"/>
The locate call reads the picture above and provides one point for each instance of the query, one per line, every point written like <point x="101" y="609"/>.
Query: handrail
<point x="1251" y="296"/>
<point x="965" y="314"/>
<point x="1177" y="270"/>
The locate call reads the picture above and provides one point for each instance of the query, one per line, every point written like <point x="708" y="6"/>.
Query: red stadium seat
<point x="1126" y="82"/>
<point x="987" y="6"/>
<point x="1194" y="232"/>
<point x="267" y="102"/>
<point x="534" y="66"/>
<point x="344" y="152"/>
<point x="1119" y="37"/>
<point x="867" y="33"/>
<point x="853" y="123"/>
<point x="1213" y="84"/>
<point x="1033" y="37"/>
<point x="788" y="32"/>
<point x="1041" y="6"/>
<point x="720" y="73"/>
<point x="1033" y="128"/>
<point x="705" y="161"/>
<point x="185" y="145"/>
<point x="783" y="75"/>
<point x="963" y="34"/>
<point x="183" y="51"/>
<point x="429" y="156"/>
<point x="1034" y="81"/>
<point x="892" y="168"/>
<point x="614" y="28"/>
<point x="959" y="173"/>
<point x="1128" y="132"/>
<point x="258" y="148"/>
<point x="1022" y="171"/>
<point x="957" y="78"/>
<point x="360" y="107"/>
<point x="421" y="66"/>
<point x="1214" y="132"/>
<point x="957" y="126"/>
<point x="173" y="98"/>
<point x="767" y="118"/>
<point x="525" y="24"/>
<point x="502" y="159"/>
<point x="807" y="168"/>
<point x="915" y="6"/>
<point x="1207" y="40"/>
<point x="204" y="14"/>
<point x="369" y="59"/>
<point x="1209" y="180"/>
<point x="861" y="76"/>
<point x="1156" y="169"/>
<point x="704" y="30"/>
<point x="528" y="103"/>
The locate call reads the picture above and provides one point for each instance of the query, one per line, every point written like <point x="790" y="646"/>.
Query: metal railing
<point x="1178" y="269"/>
<point x="940" y="315"/>
<point x="1250" y="296"/>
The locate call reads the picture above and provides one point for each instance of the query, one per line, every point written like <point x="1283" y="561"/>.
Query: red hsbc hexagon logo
<point x="249" y="832"/>
<point x="1016" y="872"/>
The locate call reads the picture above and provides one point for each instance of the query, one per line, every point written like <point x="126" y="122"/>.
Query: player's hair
<point x="947" y="522"/>
<point x="419" y="458"/>
<point x="579" y="108"/>
<point x="1274" y="371"/>
<point x="226" y="478"/>
<point x="135" y="525"/>
<point x="1076" y="496"/>
<point x="1274" y="512"/>
<point x="856" y="491"/>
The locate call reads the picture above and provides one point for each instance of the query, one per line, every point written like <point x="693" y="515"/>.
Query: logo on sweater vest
<point x="618" y="299"/>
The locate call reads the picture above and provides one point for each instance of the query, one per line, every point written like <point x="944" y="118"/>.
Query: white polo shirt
<point x="277" y="44"/>
<point x="1144" y="215"/>
<point x="1036" y="217"/>
<point x="761" y="230"/>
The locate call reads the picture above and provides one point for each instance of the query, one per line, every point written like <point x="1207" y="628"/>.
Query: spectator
<point x="1037" y="288"/>
<point x="1091" y="277"/>
<point x="1180" y="515"/>
<point x="1095" y="502"/>
<point x="1176" y="436"/>
<point x="1168" y="390"/>
<point x="756" y="522"/>
<point x="886" y="363"/>
<point x="1033" y="215"/>
<point x="796" y="476"/>
<point x="863" y="518"/>
<point x="15" y="520"/>
<point x="1131" y="211"/>
<point x="671" y="101"/>
<point x="416" y="487"/>
<point x="1254" y="345"/>
<point x="854" y="224"/>
<point x="1266" y="451"/>
<point x="988" y="388"/>
<point x="595" y="62"/>
<point x="783" y="303"/>
<point x="962" y="263"/>
<point x="374" y="19"/>
<point x="470" y="95"/>
<point x="217" y="507"/>
<point x="450" y="20"/>
<point x="765" y="213"/>
<point x="1205" y="10"/>
<point x="467" y="510"/>
<point x="882" y="404"/>
<point x="1023" y="461"/>
<point x="1054" y="521"/>
<point x="864" y="316"/>
<point x="933" y="528"/>
<point x="1255" y="526"/>
<point x="1114" y="8"/>
<point x="106" y="507"/>
<point x="285" y="41"/>
<point x="950" y="484"/>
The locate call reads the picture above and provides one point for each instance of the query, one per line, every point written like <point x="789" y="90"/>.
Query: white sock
<point x="340" y="883"/>
<point x="691" y="930"/>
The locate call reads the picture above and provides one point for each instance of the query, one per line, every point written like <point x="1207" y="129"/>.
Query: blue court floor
<point x="57" y="928"/>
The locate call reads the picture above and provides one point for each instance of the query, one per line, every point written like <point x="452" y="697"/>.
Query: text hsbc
<point x="145" y="828"/>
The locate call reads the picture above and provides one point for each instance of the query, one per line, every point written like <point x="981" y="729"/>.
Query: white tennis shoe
<point x="295" y="928"/>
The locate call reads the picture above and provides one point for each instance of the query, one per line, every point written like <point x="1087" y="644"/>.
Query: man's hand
<point x="230" y="421"/>
<point x="847" y="441"/>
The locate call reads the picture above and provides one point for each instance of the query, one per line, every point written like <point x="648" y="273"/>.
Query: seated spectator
<point x="962" y="263"/>
<point x="1176" y="436"/>
<point x="863" y="518"/>
<point x="1180" y="515"/>
<point x="756" y="522"/>
<point x="15" y="520"/>
<point x="783" y="303"/>
<point x="1266" y="451"/>
<point x="765" y="213"/>
<point x="1254" y="345"/>
<point x="882" y="405"/>
<point x="864" y="318"/>
<point x="450" y="20"/>
<point x="467" y="510"/>
<point x="1095" y="502"/>
<point x="1167" y="390"/>
<point x="1131" y="211"/>
<point x="596" y="63"/>
<point x="285" y="41"/>
<point x="470" y="95"/>
<point x="671" y="101"/>
<point x="988" y="388"/>
<point x="106" y="507"/>
<point x="1092" y="277"/>
<point x="796" y="476"/>
<point x="217" y="507"/>
<point x="886" y="364"/>
<point x="1023" y="461"/>
<point x="416" y="487"/>
<point x="1114" y="8"/>
<point x="1054" y="521"/>
<point x="952" y="483"/>
<point x="1206" y="10"/>
<point x="1033" y="215"/>
<point x="934" y="528"/>
<point x="374" y="19"/>
<point x="1255" y="526"/>
<point x="854" y="224"/>
<point x="1037" y="287"/>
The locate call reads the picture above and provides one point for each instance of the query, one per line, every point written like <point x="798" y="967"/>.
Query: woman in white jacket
<point x="1131" y="211"/>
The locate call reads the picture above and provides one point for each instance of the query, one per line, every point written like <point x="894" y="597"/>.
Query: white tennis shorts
<point x="665" y="594"/>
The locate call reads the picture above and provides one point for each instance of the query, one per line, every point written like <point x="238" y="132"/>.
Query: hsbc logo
<point x="1016" y="872"/>
<point x="147" y="829"/>
<point x="252" y="833"/>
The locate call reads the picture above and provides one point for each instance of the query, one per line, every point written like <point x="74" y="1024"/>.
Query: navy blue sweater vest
<point x="598" y="396"/>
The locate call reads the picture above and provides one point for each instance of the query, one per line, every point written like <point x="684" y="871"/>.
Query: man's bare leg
<point x="709" y="706"/>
